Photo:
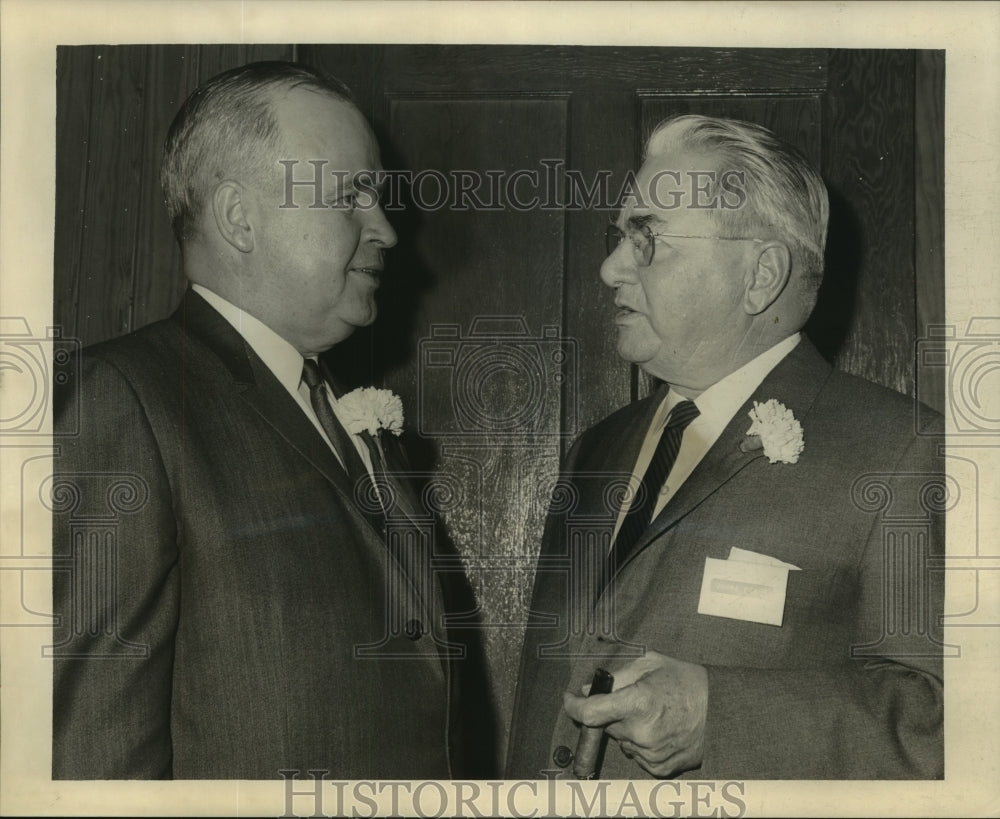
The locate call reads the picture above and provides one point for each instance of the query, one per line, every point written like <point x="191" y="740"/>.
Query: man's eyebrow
<point x="368" y="180"/>
<point x="360" y="181"/>
<point x="637" y="222"/>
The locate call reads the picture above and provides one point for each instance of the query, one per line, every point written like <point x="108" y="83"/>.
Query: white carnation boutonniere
<point x="777" y="431"/>
<point x="369" y="409"/>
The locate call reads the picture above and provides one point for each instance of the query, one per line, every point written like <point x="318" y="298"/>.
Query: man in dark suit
<point x="244" y="611"/>
<point x="761" y="595"/>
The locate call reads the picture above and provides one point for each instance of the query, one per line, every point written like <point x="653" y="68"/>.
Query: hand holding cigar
<point x="656" y="712"/>
<point x="590" y="746"/>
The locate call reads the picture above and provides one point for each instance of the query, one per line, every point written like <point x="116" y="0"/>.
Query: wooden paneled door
<point x="494" y="326"/>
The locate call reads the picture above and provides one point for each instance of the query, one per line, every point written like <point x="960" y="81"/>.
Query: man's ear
<point x="768" y="278"/>
<point x="230" y="214"/>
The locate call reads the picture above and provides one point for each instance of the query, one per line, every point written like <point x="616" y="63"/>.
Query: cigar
<point x="591" y="742"/>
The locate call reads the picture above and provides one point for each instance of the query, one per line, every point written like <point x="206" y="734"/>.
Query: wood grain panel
<point x="867" y="303"/>
<point x="593" y="69"/>
<point x="172" y="73"/>
<point x="928" y="100"/>
<point x="111" y="199"/>
<point x="490" y="291"/>
<point x="74" y="81"/>
<point x="602" y="145"/>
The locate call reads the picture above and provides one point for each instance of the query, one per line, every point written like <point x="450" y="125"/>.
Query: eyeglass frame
<point x="621" y="235"/>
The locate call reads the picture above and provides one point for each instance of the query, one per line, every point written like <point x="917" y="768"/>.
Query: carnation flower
<point x="371" y="410"/>
<point x="778" y="431"/>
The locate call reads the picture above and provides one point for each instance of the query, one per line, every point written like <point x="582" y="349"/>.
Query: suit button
<point x="562" y="756"/>
<point x="413" y="629"/>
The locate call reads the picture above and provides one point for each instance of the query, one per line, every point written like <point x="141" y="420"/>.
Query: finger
<point x="670" y="765"/>
<point x="644" y="758"/>
<point x="633" y="671"/>
<point x="598" y="710"/>
<point x="636" y="735"/>
<point x="637" y="669"/>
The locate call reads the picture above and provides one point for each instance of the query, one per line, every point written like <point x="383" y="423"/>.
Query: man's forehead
<point x="317" y="116"/>
<point x="317" y="127"/>
<point x="672" y="156"/>
<point x="668" y="180"/>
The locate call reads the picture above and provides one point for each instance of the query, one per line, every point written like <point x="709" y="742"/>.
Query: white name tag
<point x="747" y="586"/>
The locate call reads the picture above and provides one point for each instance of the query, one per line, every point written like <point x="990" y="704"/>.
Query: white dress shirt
<point x="283" y="360"/>
<point x="717" y="405"/>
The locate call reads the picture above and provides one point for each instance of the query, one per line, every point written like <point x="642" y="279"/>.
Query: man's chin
<point x="362" y="315"/>
<point x="369" y="319"/>
<point x="643" y="360"/>
<point x="629" y="352"/>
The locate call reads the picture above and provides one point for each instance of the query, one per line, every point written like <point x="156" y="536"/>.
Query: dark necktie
<point x="640" y="513"/>
<point x="365" y="492"/>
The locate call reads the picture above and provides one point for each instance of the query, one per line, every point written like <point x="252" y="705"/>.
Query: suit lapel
<point x="257" y="385"/>
<point x="273" y="403"/>
<point x="412" y="554"/>
<point x="262" y="391"/>
<point x="618" y="448"/>
<point x="397" y="467"/>
<point x="795" y="382"/>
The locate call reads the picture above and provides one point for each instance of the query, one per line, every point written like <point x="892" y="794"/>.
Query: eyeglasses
<point x="645" y="240"/>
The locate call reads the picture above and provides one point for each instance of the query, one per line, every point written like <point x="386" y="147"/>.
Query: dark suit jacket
<point x="215" y="585"/>
<point x="850" y="685"/>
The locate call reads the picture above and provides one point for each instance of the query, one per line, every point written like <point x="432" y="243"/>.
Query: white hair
<point x="784" y="193"/>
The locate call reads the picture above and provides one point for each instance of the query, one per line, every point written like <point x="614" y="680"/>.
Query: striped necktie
<point x="640" y="513"/>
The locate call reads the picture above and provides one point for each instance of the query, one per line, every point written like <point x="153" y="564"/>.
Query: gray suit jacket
<point x="850" y="685"/>
<point x="223" y="609"/>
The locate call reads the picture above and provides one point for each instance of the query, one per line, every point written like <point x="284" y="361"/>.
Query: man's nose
<point x="619" y="267"/>
<point x="378" y="229"/>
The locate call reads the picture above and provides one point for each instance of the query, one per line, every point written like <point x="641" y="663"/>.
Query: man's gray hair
<point x="228" y="123"/>
<point x="785" y="195"/>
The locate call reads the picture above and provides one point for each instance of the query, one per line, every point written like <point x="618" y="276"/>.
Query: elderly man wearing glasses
<point x="725" y="548"/>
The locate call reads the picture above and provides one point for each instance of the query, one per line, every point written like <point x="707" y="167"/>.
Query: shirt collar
<point x="720" y="402"/>
<point x="280" y="357"/>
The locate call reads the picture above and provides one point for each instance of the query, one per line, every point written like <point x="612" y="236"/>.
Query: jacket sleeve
<point x="879" y="714"/>
<point x="115" y="585"/>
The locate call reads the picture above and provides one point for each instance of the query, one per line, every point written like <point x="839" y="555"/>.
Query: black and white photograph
<point x="404" y="413"/>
